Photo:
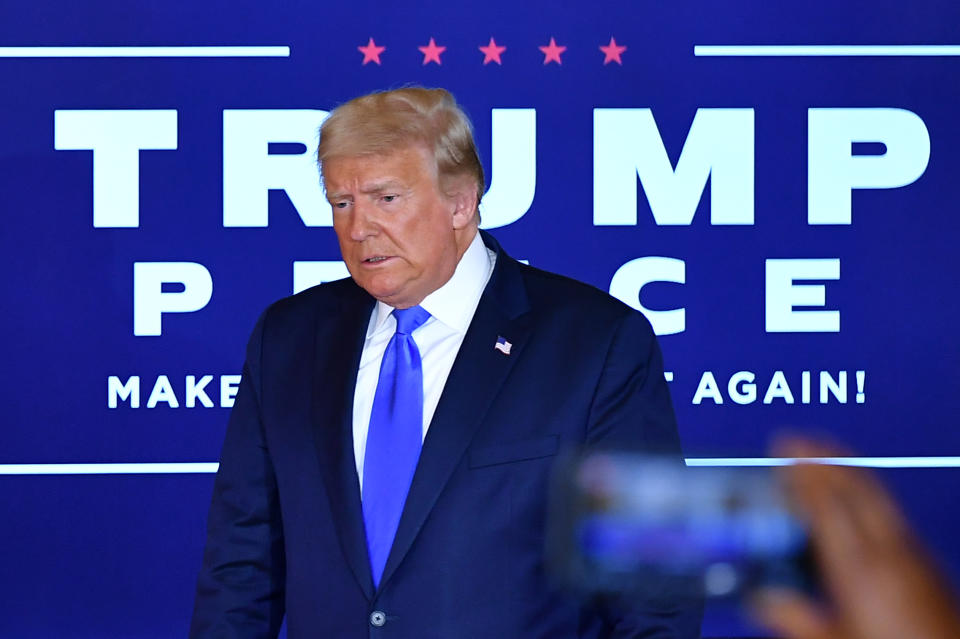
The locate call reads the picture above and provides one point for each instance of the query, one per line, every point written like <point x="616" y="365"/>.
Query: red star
<point x="491" y="52"/>
<point x="431" y="52"/>
<point x="371" y="52"/>
<point x="612" y="52"/>
<point x="551" y="52"/>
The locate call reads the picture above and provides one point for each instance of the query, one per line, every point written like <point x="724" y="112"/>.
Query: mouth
<point x="376" y="259"/>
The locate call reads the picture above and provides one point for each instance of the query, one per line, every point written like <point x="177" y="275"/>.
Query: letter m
<point x="116" y="390"/>
<point x="627" y="145"/>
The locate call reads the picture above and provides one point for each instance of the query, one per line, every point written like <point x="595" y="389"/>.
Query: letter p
<point x="833" y="171"/>
<point x="150" y="301"/>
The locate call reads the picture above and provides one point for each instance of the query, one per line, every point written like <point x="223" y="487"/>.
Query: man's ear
<point x="464" y="199"/>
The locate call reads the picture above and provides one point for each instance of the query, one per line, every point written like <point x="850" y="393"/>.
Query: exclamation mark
<point x="861" y="377"/>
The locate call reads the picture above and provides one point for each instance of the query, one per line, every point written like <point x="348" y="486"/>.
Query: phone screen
<point x="644" y="525"/>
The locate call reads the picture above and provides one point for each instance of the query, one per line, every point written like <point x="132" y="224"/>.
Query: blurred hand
<point x="877" y="581"/>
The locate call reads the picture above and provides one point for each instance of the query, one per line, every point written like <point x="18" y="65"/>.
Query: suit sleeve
<point x="240" y="589"/>
<point x="632" y="411"/>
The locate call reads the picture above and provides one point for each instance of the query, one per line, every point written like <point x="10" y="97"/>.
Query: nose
<point x="361" y="224"/>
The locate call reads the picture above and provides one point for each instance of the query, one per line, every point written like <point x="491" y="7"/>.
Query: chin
<point x="383" y="291"/>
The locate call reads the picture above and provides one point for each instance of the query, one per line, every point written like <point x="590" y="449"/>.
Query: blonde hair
<point x="384" y="121"/>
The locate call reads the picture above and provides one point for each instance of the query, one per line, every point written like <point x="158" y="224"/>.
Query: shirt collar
<point x="453" y="303"/>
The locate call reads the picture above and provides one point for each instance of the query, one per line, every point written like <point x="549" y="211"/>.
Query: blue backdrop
<point x="792" y="238"/>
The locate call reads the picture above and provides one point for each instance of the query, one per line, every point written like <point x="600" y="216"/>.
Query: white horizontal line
<point x="146" y="52"/>
<point x="109" y="469"/>
<point x="796" y="50"/>
<point x="865" y="462"/>
<point x="169" y="468"/>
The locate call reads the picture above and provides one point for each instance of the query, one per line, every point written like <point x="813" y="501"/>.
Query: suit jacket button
<point x="377" y="618"/>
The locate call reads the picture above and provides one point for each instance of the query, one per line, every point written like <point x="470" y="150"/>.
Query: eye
<point x="389" y="198"/>
<point x="340" y="205"/>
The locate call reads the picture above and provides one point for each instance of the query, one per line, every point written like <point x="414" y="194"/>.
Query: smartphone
<point x="650" y="526"/>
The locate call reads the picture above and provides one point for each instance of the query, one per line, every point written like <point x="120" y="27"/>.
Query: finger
<point x="791" y="615"/>
<point x="835" y="533"/>
<point x="860" y="493"/>
<point x="859" y="534"/>
<point x="804" y="483"/>
<point x="790" y="445"/>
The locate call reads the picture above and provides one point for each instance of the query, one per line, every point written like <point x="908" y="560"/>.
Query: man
<point x="385" y="466"/>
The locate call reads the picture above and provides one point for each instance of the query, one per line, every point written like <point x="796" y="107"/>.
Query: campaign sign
<point x="772" y="185"/>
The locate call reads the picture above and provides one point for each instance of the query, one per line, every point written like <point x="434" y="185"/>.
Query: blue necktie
<point x="393" y="437"/>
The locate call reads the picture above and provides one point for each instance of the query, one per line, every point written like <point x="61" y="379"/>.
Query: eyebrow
<point x="377" y="187"/>
<point x="388" y="184"/>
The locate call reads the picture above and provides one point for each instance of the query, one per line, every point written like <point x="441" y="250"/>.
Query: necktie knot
<point x="410" y="319"/>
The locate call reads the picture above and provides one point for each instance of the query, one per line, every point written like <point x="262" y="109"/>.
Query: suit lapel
<point x="339" y="345"/>
<point x="478" y="374"/>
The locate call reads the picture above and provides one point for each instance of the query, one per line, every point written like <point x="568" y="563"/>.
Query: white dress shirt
<point x="451" y="309"/>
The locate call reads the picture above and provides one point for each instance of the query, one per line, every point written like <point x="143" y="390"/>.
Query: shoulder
<point x="552" y="293"/>
<point x="292" y="315"/>
<point x="290" y="324"/>
<point x="323" y="298"/>
<point x="557" y="294"/>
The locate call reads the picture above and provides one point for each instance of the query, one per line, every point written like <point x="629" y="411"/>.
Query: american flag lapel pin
<point x="503" y="345"/>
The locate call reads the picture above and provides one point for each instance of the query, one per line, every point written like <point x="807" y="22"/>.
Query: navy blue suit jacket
<point x="285" y="530"/>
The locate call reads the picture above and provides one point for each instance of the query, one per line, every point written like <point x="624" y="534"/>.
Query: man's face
<point x="400" y="237"/>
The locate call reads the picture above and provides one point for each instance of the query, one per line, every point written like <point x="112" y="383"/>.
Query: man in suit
<point x="385" y="467"/>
